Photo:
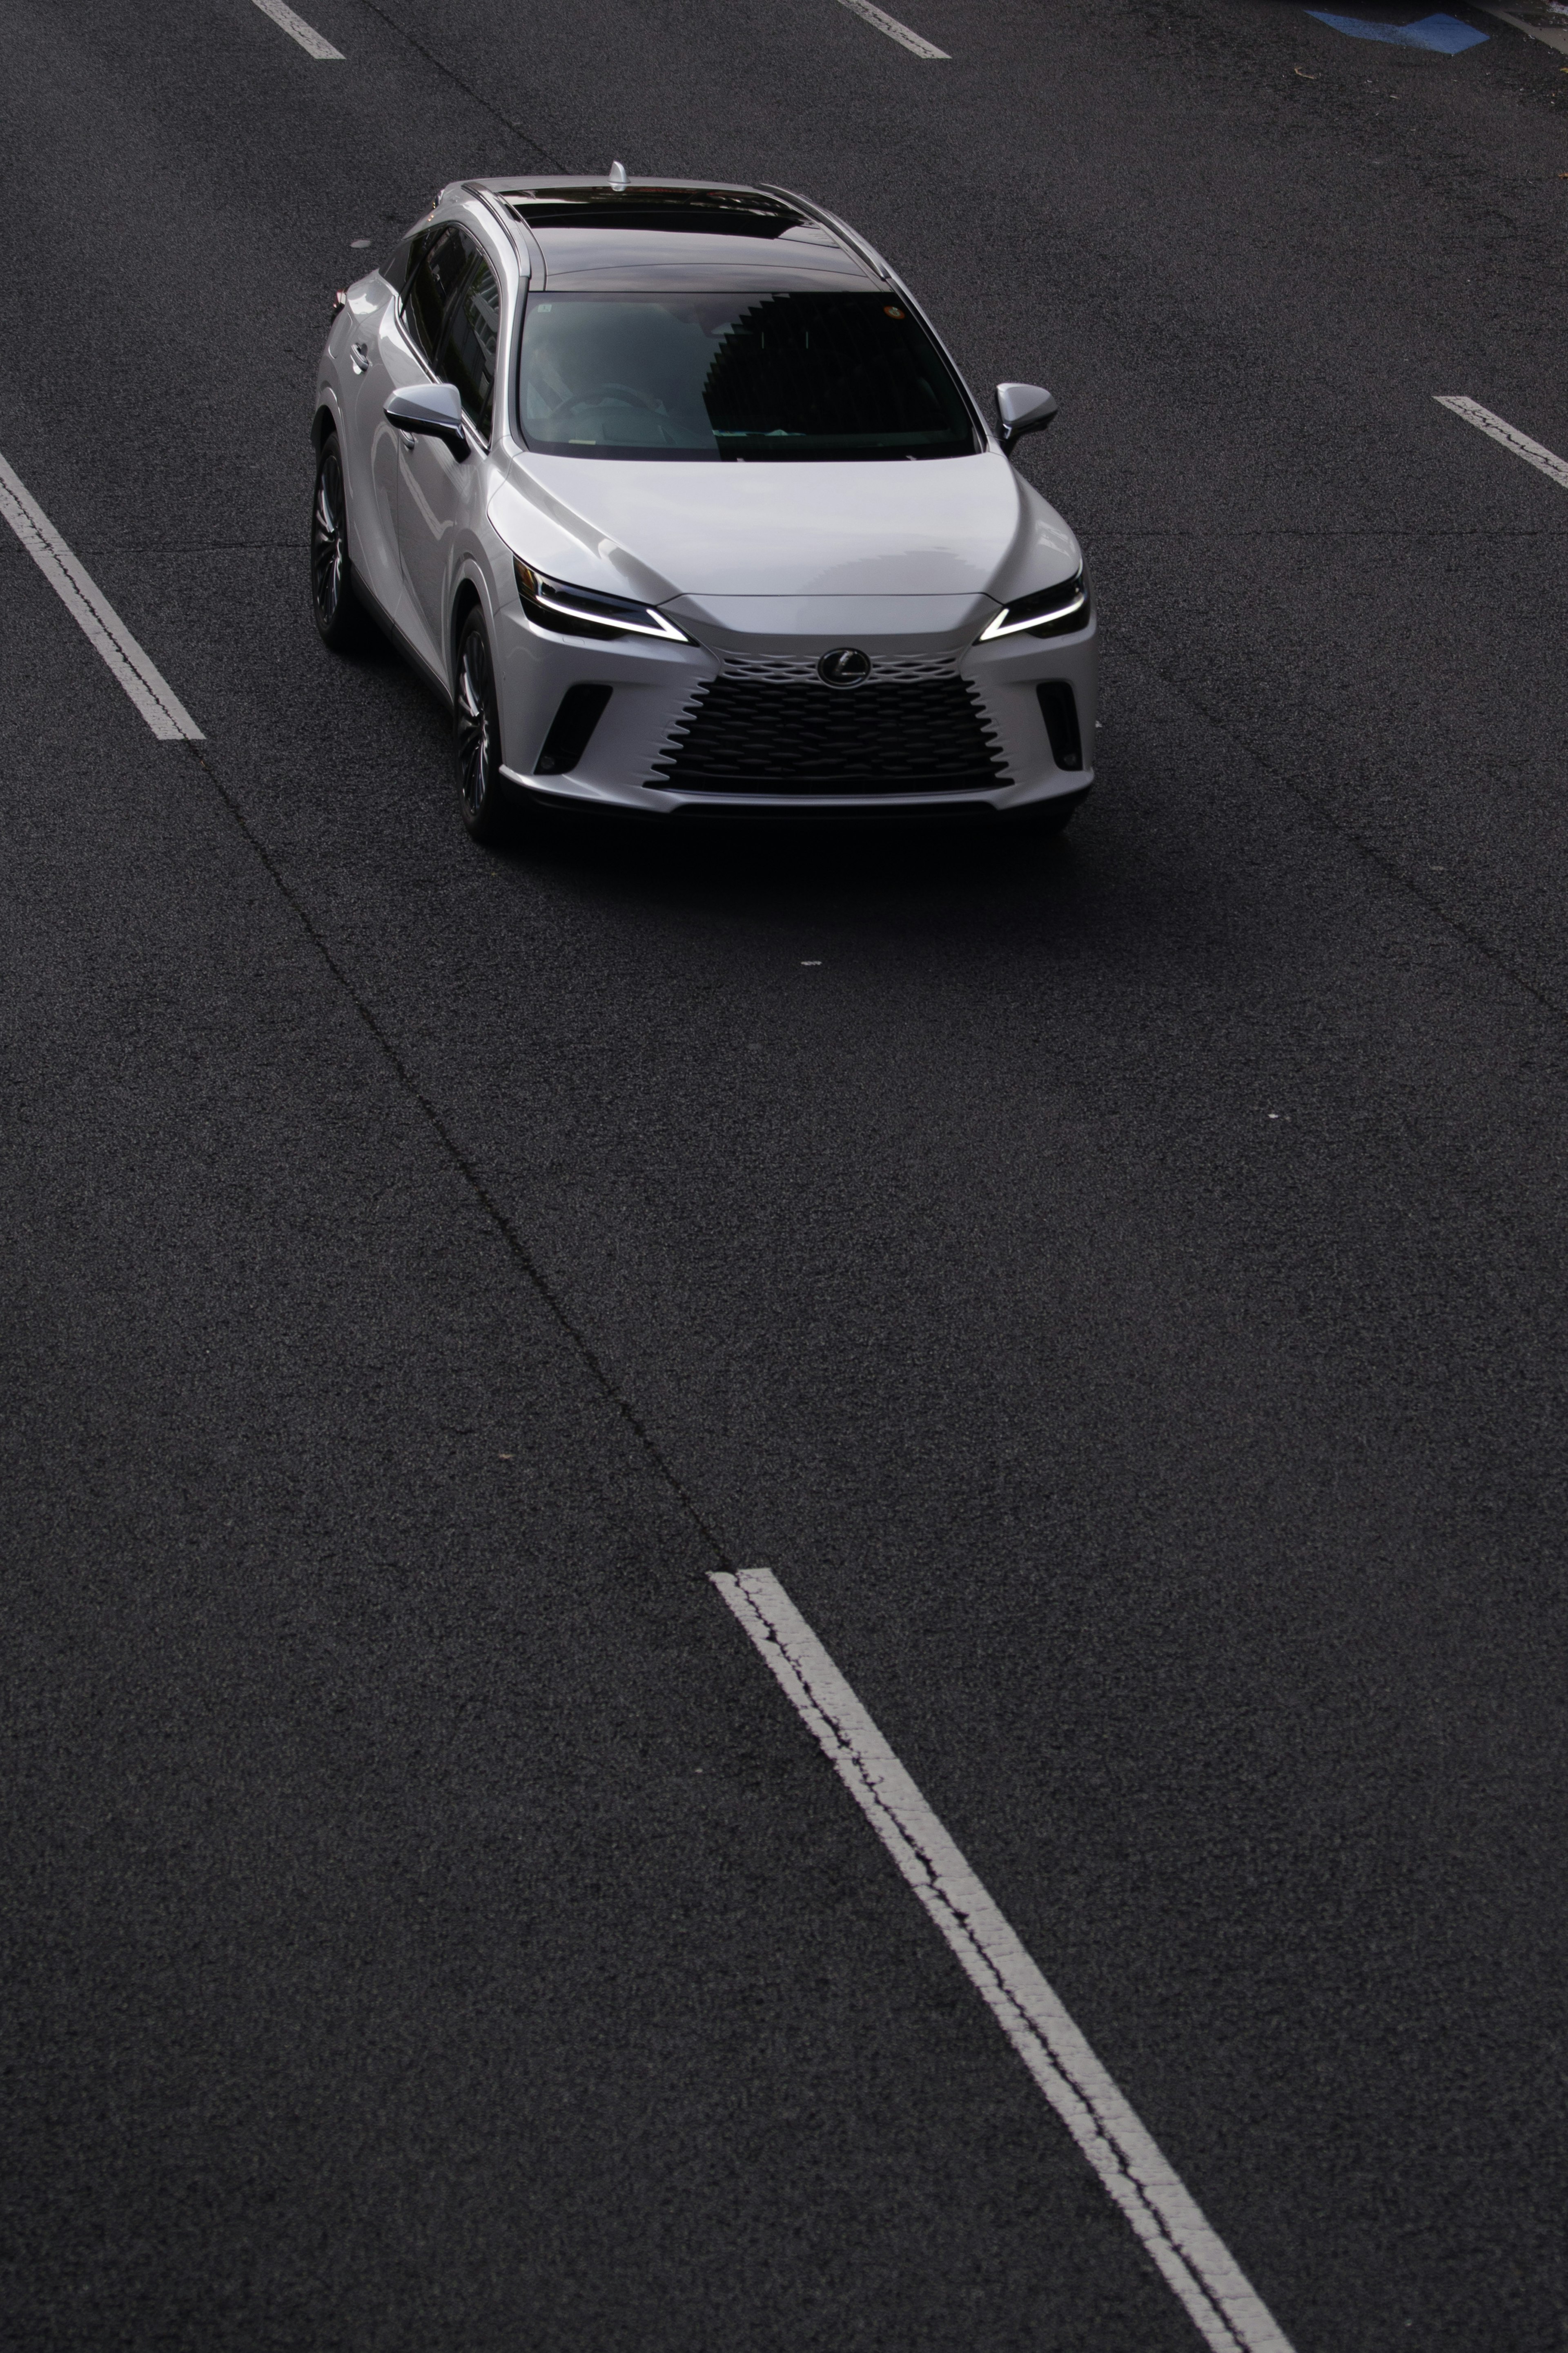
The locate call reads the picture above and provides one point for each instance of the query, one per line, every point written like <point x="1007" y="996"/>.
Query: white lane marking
<point x="298" y="30"/>
<point x="1509" y="435"/>
<point x="895" y="31"/>
<point x="1554" y="38"/>
<point x="1228" y="2311"/>
<point x="161" y="708"/>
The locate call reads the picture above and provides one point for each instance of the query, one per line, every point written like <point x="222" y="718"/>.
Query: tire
<point x="332" y="583"/>
<point x="475" y="727"/>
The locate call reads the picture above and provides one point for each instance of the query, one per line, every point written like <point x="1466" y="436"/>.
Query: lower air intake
<point x="1059" y="706"/>
<point x="582" y="708"/>
<point x="926" y="736"/>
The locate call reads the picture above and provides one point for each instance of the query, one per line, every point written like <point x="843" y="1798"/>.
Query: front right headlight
<point x="1049" y="613"/>
<point x="585" y="613"/>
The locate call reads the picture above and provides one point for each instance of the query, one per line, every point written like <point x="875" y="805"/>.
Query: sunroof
<point x="698" y="212"/>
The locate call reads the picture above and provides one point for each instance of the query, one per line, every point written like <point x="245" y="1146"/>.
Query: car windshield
<point x="749" y="377"/>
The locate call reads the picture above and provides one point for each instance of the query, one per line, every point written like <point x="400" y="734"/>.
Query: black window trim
<point x="415" y="256"/>
<point x="479" y="440"/>
<point x="483" y="254"/>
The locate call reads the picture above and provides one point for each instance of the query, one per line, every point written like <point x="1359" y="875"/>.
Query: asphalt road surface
<point x="1116" y="1287"/>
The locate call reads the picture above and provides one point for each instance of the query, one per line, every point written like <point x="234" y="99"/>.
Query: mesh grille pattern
<point x="791" y="670"/>
<point x="931" y="737"/>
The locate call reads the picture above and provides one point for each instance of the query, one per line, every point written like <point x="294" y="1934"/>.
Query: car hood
<point x="948" y="526"/>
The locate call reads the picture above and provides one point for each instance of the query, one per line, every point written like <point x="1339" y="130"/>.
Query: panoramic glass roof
<point x="701" y="212"/>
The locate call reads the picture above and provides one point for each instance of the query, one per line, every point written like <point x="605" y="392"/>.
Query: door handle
<point x="360" y="355"/>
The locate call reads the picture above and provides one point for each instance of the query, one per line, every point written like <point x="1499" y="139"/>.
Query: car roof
<point x="674" y="235"/>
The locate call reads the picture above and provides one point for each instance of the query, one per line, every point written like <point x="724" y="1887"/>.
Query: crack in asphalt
<point x="1323" y="810"/>
<point x="522" y="1257"/>
<point x="451" y="74"/>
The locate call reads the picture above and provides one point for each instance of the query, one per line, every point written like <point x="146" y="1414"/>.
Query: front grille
<point x="794" y="670"/>
<point x="930" y="736"/>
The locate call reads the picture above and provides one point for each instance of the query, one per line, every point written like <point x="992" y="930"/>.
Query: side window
<point x="400" y="268"/>
<point x="430" y="289"/>
<point x="466" y="354"/>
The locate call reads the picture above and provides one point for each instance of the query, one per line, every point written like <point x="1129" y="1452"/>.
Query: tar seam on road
<point x="1499" y="429"/>
<point x="1326" y="815"/>
<point x="309" y="40"/>
<point x="1194" y="2260"/>
<point x="895" y="31"/>
<point x="459" y="1159"/>
<point x="467" y="88"/>
<point x="100" y="623"/>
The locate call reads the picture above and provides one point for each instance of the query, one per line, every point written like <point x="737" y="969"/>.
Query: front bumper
<point x="761" y="652"/>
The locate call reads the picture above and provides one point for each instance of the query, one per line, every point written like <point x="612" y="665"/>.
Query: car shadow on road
<point x="735" y="865"/>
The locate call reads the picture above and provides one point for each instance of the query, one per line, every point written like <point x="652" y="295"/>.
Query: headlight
<point x="1052" y="613"/>
<point x="583" y="613"/>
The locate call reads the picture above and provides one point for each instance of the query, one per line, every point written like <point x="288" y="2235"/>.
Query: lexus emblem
<point x="845" y="665"/>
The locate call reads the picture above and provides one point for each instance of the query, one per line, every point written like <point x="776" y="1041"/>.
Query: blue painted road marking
<point x="1443" y="33"/>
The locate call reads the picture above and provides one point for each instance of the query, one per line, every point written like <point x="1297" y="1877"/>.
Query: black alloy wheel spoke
<point x="327" y="537"/>
<point x="473" y="722"/>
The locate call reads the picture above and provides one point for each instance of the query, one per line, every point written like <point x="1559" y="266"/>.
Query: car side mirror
<point x="1023" y="408"/>
<point x="433" y="408"/>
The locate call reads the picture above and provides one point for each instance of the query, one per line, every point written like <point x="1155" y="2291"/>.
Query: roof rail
<point x="517" y="230"/>
<point x="828" y="220"/>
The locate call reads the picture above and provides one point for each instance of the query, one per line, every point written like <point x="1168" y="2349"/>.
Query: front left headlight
<point x="584" y="613"/>
<point x="1050" y="613"/>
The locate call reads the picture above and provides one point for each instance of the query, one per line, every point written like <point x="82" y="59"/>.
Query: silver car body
<point x="766" y="567"/>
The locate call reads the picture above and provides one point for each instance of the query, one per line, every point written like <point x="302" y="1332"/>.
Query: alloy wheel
<point x="475" y="747"/>
<point x="329" y="548"/>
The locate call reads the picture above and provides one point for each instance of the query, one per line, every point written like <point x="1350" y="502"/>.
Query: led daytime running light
<point x="1039" y="614"/>
<point x="583" y="612"/>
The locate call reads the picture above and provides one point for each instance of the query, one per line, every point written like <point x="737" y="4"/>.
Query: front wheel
<point x="477" y="728"/>
<point x="332" y="588"/>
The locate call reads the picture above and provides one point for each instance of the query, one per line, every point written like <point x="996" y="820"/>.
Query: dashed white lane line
<point x="298" y="30"/>
<point x="895" y="31"/>
<point x="161" y="708"/>
<point x="1509" y="435"/>
<point x="1228" y="2313"/>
